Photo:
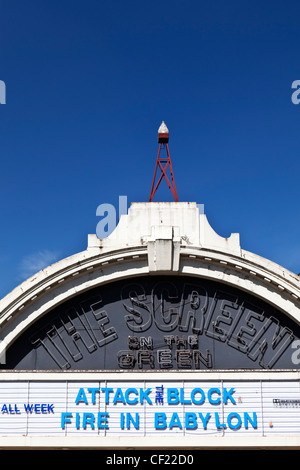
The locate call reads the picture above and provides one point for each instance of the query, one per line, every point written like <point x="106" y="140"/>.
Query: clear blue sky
<point x="88" y="84"/>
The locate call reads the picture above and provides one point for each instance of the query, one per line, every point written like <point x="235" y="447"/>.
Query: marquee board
<point x="149" y="408"/>
<point x="159" y="323"/>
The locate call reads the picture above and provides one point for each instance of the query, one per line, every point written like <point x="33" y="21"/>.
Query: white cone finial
<point x="163" y="128"/>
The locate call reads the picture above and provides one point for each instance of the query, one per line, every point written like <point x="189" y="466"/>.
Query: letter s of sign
<point x="134" y="301"/>
<point x="165" y="306"/>
<point x="296" y="354"/>
<point x="295" y="96"/>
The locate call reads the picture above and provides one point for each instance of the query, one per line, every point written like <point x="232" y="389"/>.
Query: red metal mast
<point x="163" y="139"/>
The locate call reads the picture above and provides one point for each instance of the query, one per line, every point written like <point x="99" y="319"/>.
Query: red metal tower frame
<point x="163" y="139"/>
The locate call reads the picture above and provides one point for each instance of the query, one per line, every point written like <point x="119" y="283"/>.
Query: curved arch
<point x="70" y="277"/>
<point x="184" y="244"/>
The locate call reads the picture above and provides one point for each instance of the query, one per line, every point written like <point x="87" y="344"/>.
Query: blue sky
<point x="87" y="86"/>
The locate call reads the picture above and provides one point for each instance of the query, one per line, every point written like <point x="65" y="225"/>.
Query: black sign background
<point x="158" y="323"/>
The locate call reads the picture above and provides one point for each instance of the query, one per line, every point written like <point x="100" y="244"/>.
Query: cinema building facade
<point x="162" y="335"/>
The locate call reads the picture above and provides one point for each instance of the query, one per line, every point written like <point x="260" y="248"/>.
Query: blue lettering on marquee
<point x="144" y="395"/>
<point x="162" y="421"/>
<point x="93" y="392"/>
<point x="191" y="421"/>
<point x="88" y="419"/>
<point x="204" y="419"/>
<point x="248" y="419"/>
<point x="10" y="409"/>
<point x="227" y="395"/>
<point x="119" y="397"/>
<point x="65" y="419"/>
<point x="197" y="401"/>
<point x="129" y="419"/>
<point x="238" y="423"/>
<point x="175" y="421"/>
<point x="215" y="401"/>
<point x="131" y="401"/>
<point x="234" y="420"/>
<point x="107" y="391"/>
<point x="81" y="397"/>
<point x="214" y="396"/>
<point x="218" y="424"/>
<point x="37" y="408"/>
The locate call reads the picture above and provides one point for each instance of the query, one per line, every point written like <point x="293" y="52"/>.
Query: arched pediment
<point x="198" y="296"/>
<point x="158" y="322"/>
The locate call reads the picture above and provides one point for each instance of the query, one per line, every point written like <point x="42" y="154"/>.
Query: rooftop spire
<point x="163" y="139"/>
